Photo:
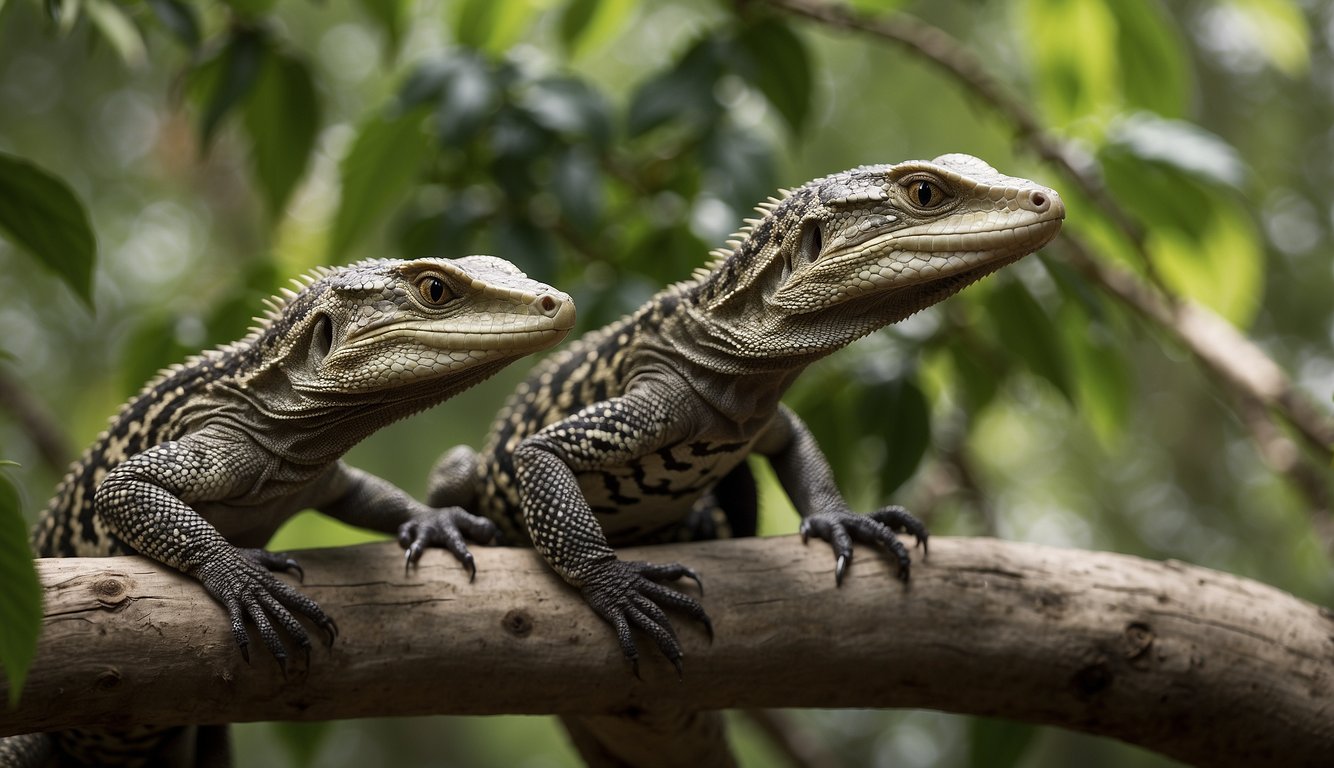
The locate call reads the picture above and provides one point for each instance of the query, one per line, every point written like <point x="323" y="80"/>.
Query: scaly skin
<point x="202" y="467"/>
<point x="617" y="438"/>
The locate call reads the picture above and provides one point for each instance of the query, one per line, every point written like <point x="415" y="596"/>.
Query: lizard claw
<point x="841" y="527"/>
<point x="445" y="527"/>
<point x="630" y="596"/>
<point x="900" y="520"/>
<point x="241" y="581"/>
<point x="274" y="561"/>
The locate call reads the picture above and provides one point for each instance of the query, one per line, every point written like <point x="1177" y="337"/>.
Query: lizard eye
<point x="433" y="291"/>
<point x="925" y="194"/>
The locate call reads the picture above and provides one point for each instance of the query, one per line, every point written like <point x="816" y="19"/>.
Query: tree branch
<point x="1199" y="665"/>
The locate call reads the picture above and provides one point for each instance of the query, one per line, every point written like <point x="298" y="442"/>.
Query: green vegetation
<point x="213" y="149"/>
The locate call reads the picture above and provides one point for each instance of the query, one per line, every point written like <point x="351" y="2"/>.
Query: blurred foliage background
<point x="222" y="147"/>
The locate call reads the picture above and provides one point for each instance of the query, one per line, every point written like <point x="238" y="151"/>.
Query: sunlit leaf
<point x="586" y="24"/>
<point x="1152" y="56"/>
<point x="118" y="30"/>
<point x="493" y="25"/>
<point x="1280" y="30"/>
<point x="1202" y="240"/>
<point x="1179" y="143"/>
<point x="179" y="18"/>
<point x="224" y="81"/>
<point x="998" y="743"/>
<point x="282" y="117"/>
<point x="21" y="597"/>
<point x="40" y="213"/>
<point x="1099" y="372"/>
<point x="1223" y="269"/>
<point x="776" y="62"/>
<point x="387" y="155"/>
<point x="1073" y="46"/>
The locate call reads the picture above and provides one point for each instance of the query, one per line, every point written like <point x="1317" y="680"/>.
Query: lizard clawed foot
<point x="841" y="527"/>
<point x="240" y="580"/>
<point x="629" y="596"/>
<point x="274" y="561"/>
<point x="901" y="520"/>
<point x="445" y="527"/>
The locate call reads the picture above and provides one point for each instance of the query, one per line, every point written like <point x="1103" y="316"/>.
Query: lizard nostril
<point x="1039" y="201"/>
<point x="548" y="305"/>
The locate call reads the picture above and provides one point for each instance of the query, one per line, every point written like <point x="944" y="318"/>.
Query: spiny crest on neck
<point x="723" y="272"/>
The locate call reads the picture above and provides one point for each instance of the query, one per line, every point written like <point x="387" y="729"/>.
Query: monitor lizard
<point x="201" y="467"/>
<point x="615" y="439"/>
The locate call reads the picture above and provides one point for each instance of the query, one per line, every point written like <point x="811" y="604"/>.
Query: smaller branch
<point x="36" y="422"/>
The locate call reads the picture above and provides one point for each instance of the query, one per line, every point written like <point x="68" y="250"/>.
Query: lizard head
<point x="420" y="328"/>
<point x="849" y="253"/>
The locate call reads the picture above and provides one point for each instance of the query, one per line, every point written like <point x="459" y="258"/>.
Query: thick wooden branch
<point x="1200" y="665"/>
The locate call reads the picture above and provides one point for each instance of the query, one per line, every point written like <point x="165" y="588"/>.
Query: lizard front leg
<point x="806" y="476"/>
<point x="628" y="595"/>
<point x="145" y="502"/>
<point x="367" y="501"/>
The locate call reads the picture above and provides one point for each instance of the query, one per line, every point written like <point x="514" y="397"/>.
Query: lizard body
<point x="213" y="455"/>
<point x="617" y="438"/>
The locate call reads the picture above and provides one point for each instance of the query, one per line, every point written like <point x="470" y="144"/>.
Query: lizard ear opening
<point x="812" y="241"/>
<point x="321" y="339"/>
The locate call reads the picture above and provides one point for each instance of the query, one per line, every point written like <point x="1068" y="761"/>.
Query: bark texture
<point x="1203" y="666"/>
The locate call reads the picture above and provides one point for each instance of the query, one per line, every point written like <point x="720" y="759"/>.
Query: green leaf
<point x="685" y="92"/>
<point x="387" y="155"/>
<point x="282" y="117"/>
<point x="577" y="184"/>
<point x="470" y="92"/>
<point x="301" y="740"/>
<point x="1152" y="57"/>
<point x="225" y="80"/>
<point x="585" y="25"/>
<point x="1181" y="144"/>
<point x="390" y="16"/>
<point x="775" y="61"/>
<point x="1076" y="75"/>
<point x="493" y="25"/>
<point x="21" y="597"/>
<point x="118" y="30"/>
<point x="998" y="743"/>
<point x="1025" y="330"/>
<point x="1202" y="239"/>
<point x="569" y="107"/>
<point x="898" y="411"/>
<point x="40" y="213"/>
<point x="1100" y="375"/>
<point x="180" y="19"/>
